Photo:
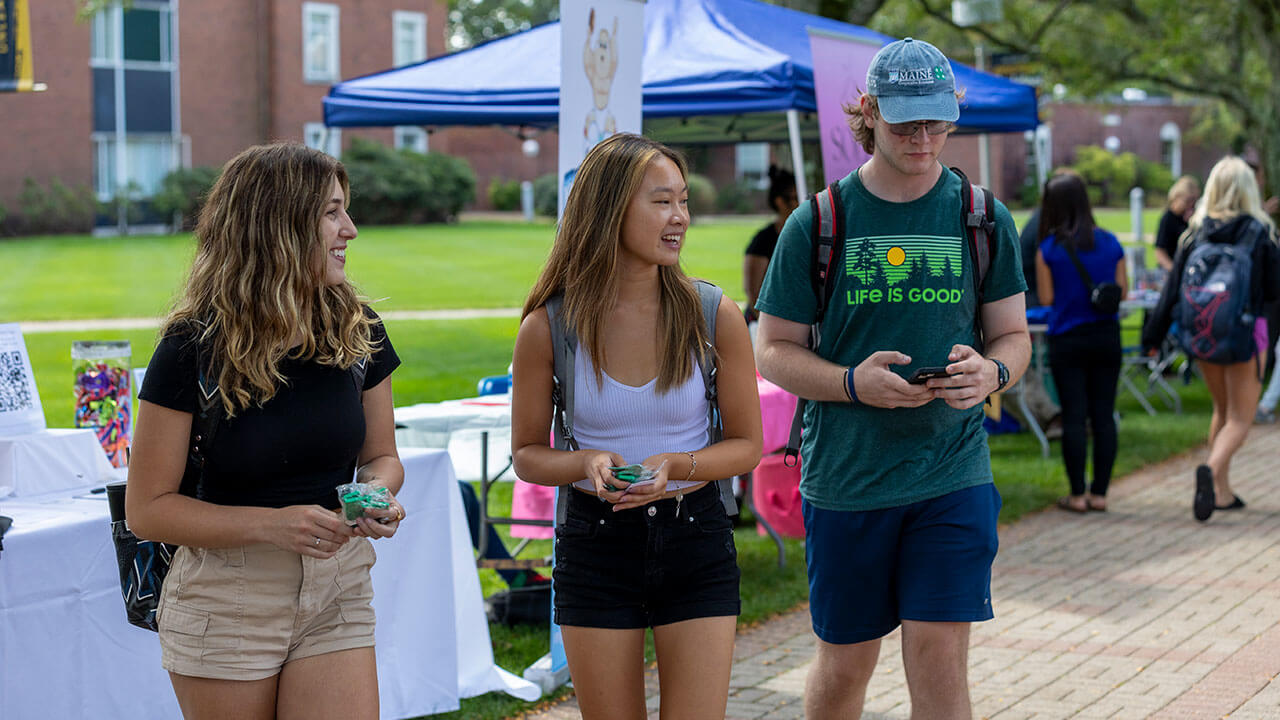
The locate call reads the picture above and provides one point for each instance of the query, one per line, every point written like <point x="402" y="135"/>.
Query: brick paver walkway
<point x="1134" y="613"/>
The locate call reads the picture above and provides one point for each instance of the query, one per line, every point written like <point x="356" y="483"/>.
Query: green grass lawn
<point x="491" y="264"/>
<point x="467" y="265"/>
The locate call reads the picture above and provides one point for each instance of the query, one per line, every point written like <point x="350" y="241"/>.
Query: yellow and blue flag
<point x="16" y="74"/>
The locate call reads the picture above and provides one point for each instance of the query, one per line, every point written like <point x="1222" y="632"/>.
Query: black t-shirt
<point x="764" y="242"/>
<point x="1167" y="233"/>
<point x="295" y="449"/>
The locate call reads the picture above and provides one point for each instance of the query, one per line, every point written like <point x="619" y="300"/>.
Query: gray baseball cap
<point x="912" y="80"/>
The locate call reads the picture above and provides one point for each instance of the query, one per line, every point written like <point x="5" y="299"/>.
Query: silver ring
<point x="317" y="542"/>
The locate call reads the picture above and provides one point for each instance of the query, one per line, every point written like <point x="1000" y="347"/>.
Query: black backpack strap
<point x="978" y="209"/>
<point x="828" y="214"/>
<point x="204" y="422"/>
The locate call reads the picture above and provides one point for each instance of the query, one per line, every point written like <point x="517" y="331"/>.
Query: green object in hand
<point x="359" y="497"/>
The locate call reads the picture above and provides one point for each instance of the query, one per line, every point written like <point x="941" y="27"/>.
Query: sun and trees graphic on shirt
<point x="904" y="268"/>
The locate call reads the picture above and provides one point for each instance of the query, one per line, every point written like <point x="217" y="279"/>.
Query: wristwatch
<point x="1002" y="374"/>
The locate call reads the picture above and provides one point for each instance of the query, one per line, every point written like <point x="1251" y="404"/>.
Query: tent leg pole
<point x="797" y="153"/>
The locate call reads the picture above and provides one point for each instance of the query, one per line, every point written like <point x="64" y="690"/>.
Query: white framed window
<point x="147" y="159"/>
<point x="314" y="136"/>
<point x="104" y="42"/>
<point x="411" y="137"/>
<point x="751" y="163"/>
<point x="408" y="37"/>
<point x="320" y="43"/>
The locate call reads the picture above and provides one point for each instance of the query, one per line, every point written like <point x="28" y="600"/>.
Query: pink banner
<point x="839" y="75"/>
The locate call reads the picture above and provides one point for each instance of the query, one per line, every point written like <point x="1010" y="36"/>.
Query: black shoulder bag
<point x="145" y="563"/>
<point x="1104" y="297"/>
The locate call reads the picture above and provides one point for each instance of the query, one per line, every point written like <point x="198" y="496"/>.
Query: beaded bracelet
<point x="693" y="465"/>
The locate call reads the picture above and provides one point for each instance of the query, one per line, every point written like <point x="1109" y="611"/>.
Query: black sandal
<point x="1236" y="504"/>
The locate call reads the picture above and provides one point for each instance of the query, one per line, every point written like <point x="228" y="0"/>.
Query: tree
<point x="1224" y="52"/>
<point x="476" y="21"/>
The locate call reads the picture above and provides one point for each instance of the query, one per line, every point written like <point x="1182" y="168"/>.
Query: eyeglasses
<point x="908" y="129"/>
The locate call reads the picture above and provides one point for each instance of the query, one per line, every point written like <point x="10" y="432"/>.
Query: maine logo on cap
<point x="917" y="76"/>
<point x="913" y="80"/>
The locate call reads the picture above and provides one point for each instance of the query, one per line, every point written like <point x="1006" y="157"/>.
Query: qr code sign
<point x="15" y="394"/>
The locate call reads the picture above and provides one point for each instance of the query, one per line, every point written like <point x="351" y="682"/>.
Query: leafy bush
<point x="1029" y="193"/>
<point x="126" y="202"/>
<point x="73" y="208"/>
<point x="546" y="195"/>
<point x="741" y="197"/>
<point x="504" y="194"/>
<point x="33" y="204"/>
<point x="391" y="186"/>
<point x="702" y="194"/>
<point x="1110" y="177"/>
<point x="183" y="192"/>
<point x="57" y="209"/>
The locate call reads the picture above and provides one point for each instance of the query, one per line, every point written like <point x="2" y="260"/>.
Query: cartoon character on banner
<point x="103" y="403"/>
<point x="601" y="63"/>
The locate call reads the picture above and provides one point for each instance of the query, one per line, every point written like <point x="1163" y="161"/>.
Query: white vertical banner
<point x="601" y="52"/>
<point x="20" y="410"/>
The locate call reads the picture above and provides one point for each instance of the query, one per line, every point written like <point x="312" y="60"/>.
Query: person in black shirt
<point x="267" y="604"/>
<point x="782" y="200"/>
<point x="1182" y="200"/>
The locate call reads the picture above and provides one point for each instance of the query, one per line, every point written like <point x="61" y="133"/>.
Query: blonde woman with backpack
<point x="1229" y="236"/>
<point x="660" y="552"/>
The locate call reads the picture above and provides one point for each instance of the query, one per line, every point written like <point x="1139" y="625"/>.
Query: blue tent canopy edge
<point x="701" y="57"/>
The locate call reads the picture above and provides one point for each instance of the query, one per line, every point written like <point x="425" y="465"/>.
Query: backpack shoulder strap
<point x="977" y="208"/>
<point x="204" y="422"/>
<point x="710" y="296"/>
<point x="564" y="345"/>
<point x="828" y="221"/>
<point x="828" y="217"/>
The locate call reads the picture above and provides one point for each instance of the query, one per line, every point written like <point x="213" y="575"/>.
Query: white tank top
<point x="637" y="422"/>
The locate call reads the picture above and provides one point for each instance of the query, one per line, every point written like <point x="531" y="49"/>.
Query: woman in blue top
<point x="1084" y="345"/>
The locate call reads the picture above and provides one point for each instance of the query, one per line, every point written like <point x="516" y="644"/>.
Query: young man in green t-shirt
<point x="900" y="509"/>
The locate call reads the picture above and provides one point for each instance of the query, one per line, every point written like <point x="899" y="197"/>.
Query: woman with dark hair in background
<point x="782" y="200"/>
<point x="1084" y="344"/>
<point x="1231" y="213"/>
<point x="266" y="611"/>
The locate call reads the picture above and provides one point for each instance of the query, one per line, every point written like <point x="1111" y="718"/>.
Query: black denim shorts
<point x="657" y="564"/>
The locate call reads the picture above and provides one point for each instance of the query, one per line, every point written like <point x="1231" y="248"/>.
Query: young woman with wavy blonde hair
<point x="657" y="555"/>
<point x="266" y="609"/>
<point x="1229" y="212"/>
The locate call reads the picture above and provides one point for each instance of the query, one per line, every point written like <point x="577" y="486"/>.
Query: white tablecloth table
<point x="458" y="425"/>
<point x="66" y="650"/>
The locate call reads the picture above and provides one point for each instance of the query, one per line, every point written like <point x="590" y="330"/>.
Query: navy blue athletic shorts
<point x="928" y="561"/>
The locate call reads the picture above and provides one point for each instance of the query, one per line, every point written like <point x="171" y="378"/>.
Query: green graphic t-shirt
<point x="906" y="284"/>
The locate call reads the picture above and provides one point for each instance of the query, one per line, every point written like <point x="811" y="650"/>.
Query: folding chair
<point x="499" y="385"/>
<point x="1143" y="375"/>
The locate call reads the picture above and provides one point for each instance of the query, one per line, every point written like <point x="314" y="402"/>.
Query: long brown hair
<point x="583" y="264"/>
<point x="257" y="277"/>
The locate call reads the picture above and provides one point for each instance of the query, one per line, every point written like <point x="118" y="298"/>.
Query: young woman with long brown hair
<point x="266" y="609"/>
<point x="658" y="555"/>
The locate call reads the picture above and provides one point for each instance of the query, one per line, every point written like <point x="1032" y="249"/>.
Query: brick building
<point x="135" y="94"/>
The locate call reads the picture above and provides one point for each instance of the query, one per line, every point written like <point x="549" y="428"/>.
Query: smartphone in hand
<point x="927" y="373"/>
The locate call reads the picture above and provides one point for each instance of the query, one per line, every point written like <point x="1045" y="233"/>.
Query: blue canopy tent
<point x="714" y="70"/>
